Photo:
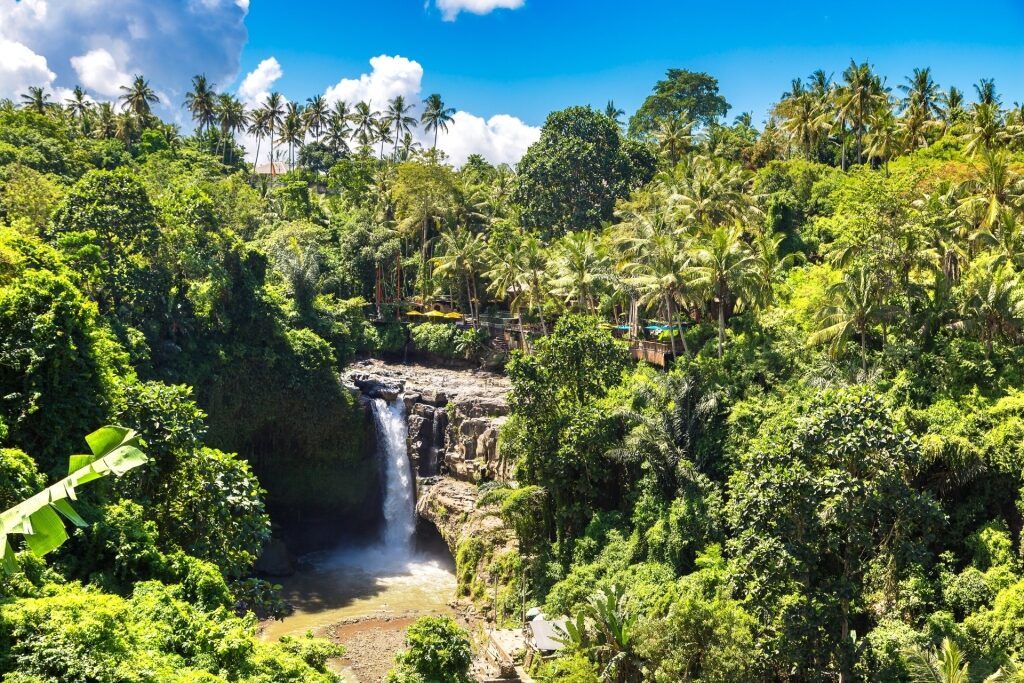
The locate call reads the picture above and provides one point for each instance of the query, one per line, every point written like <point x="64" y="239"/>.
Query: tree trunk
<point x="256" y="161"/>
<point x="469" y="296"/>
<point x="423" y="264"/>
<point x="671" y="336"/>
<point x="721" y="324"/>
<point x="864" y="349"/>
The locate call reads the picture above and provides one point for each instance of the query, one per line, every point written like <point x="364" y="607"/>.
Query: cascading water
<point x="399" y="493"/>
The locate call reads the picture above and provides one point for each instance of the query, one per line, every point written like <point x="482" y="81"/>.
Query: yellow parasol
<point x="412" y="313"/>
<point x="453" y="315"/>
<point x="435" y="314"/>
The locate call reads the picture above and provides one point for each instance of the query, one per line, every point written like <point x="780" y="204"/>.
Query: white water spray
<point x="399" y="494"/>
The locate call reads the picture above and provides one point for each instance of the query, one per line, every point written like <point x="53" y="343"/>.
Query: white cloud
<point x="501" y="139"/>
<point x="257" y="83"/>
<point x="96" y="42"/>
<point x="20" y="67"/>
<point x="98" y="71"/>
<point x="389" y="77"/>
<point x="450" y="8"/>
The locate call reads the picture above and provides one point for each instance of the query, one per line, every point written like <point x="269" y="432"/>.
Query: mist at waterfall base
<point x="401" y="573"/>
<point x="397" y="551"/>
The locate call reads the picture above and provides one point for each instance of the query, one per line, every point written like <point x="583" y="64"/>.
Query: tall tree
<point x="273" y="108"/>
<point x="201" y="101"/>
<point x="138" y="98"/>
<point x="315" y="116"/>
<point x="397" y="115"/>
<point x="725" y="268"/>
<point x="36" y="99"/>
<point x="436" y="115"/>
<point x="687" y="94"/>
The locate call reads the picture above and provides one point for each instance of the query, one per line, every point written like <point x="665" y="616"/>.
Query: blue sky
<point x="503" y="64"/>
<point x="549" y="54"/>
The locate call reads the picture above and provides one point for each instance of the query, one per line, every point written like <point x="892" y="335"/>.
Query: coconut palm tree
<point x="951" y="106"/>
<point x="79" y="105"/>
<point x="259" y="128"/>
<point x="273" y="109"/>
<point x="105" y="122"/>
<point x="201" y="101"/>
<point x="138" y="98"/>
<point x="675" y="138"/>
<point x="36" y="99"/>
<point x="232" y="118"/>
<point x="614" y="113"/>
<point x="724" y="268"/>
<point x="861" y="94"/>
<point x="293" y="132"/>
<point x="987" y="130"/>
<point x="706" y="191"/>
<point x="397" y="114"/>
<point x="315" y="116"/>
<point x="364" y="119"/>
<point x="338" y="131"/>
<point x="663" y="277"/>
<point x="461" y="256"/>
<point x="921" y="92"/>
<point x="945" y="664"/>
<point x="991" y="301"/>
<point x="581" y="269"/>
<point x="985" y="89"/>
<point x="854" y="305"/>
<point x="884" y="139"/>
<point x="382" y="134"/>
<point x="803" y="123"/>
<point x="995" y="190"/>
<point x="436" y="116"/>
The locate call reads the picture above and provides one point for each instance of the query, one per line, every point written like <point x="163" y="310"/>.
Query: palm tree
<point x="951" y="106"/>
<point x="407" y="147"/>
<point x="987" y="131"/>
<point x="614" y="113"/>
<point x="273" y="109"/>
<point x="79" y="106"/>
<point x="36" y="99"/>
<point x="365" y="121"/>
<point x="943" y="665"/>
<point x="581" y="270"/>
<point x="803" y="122"/>
<point x="338" y="129"/>
<point x="770" y="267"/>
<point x="315" y="116"/>
<point x="293" y="132"/>
<point x="201" y="101"/>
<point x="707" y="191"/>
<point x="436" y="116"/>
<point x="724" y="268"/>
<point x="985" y="89"/>
<point x="675" y="138"/>
<point x="991" y="300"/>
<point x="259" y="128"/>
<point x="462" y="253"/>
<point x="884" y="138"/>
<point x="995" y="190"/>
<point x="233" y="118"/>
<point x="397" y="115"/>
<point x="662" y="274"/>
<point x="106" y="121"/>
<point x="138" y="97"/>
<point x="382" y="134"/>
<point x="854" y="305"/>
<point x="862" y="92"/>
<point x="921" y="92"/>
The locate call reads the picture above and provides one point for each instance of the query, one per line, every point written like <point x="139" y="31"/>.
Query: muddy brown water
<point x="348" y="594"/>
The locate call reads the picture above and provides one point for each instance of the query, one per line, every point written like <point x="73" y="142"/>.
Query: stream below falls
<point x="401" y="577"/>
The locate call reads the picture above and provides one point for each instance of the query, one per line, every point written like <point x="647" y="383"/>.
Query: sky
<point x="502" y="64"/>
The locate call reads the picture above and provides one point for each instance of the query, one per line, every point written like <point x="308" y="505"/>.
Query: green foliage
<point x="40" y="518"/>
<point x="436" y="338"/>
<point x="683" y="94"/>
<point x="570" y="179"/>
<point x="437" y="652"/>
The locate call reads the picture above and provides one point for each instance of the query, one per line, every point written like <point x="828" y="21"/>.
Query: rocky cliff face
<point x="454" y="415"/>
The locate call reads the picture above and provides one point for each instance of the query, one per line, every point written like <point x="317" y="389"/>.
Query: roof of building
<point x="546" y="633"/>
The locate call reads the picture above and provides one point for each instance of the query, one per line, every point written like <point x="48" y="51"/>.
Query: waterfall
<point x="399" y="494"/>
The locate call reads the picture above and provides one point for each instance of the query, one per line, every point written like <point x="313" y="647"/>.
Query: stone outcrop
<point x="454" y="415"/>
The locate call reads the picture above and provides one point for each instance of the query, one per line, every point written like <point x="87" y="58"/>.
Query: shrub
<point x="438" y="652"/>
